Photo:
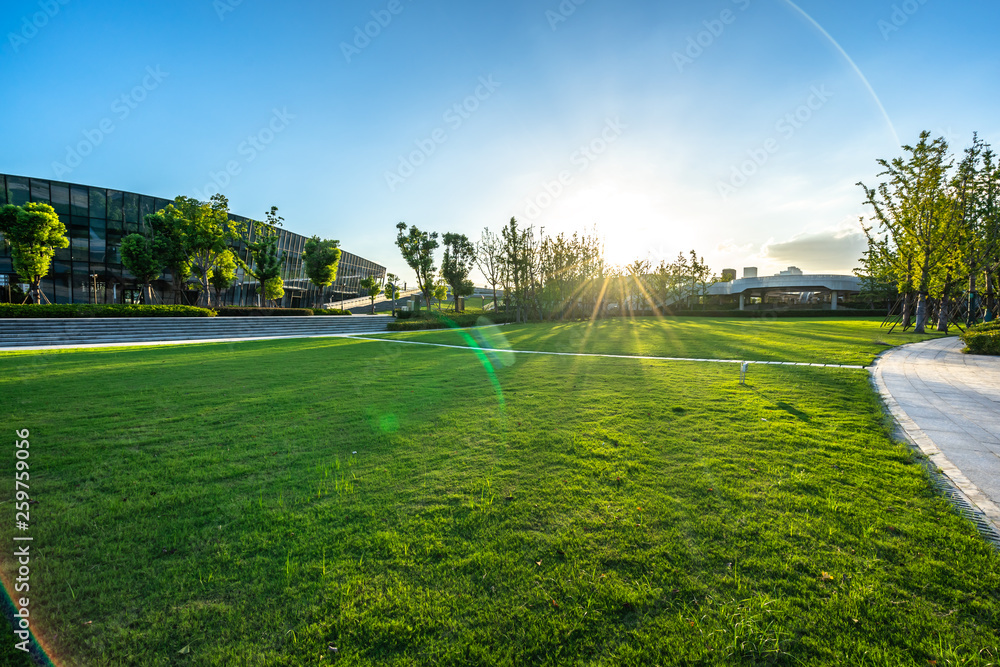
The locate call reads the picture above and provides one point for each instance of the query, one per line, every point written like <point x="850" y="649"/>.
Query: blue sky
<point x="737" y="128"/>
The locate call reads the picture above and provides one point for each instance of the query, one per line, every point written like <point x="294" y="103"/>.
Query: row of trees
<point x="546" y="277"/>
<point x="191" y="240"/>
<point x="934" y="237"/>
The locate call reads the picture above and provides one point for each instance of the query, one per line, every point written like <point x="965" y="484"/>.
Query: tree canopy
<point x="33" y="232"/>
<point x="418" y="249"/>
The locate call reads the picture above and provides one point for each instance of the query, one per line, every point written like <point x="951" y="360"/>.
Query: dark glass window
<point x="40" y="191"/>
<point x="115" y="205"/>
<point x="61" y="293"/>
<point x="60" y="198"/>
<point x="131" y="208"/>
<point x="161" y="204"/>
<point x="79" y="239"/>
<point x="98" y="243"/>
<point x="114" y="242"/>
<point x="17" y="191"/>
<point x="81" y="287"/>
<point x="78" y="201"/>
<point x="146" y="207"/>
<point x="3" y="190"/>
<point x="98" y="203"/>
<point x="64" y="254"/>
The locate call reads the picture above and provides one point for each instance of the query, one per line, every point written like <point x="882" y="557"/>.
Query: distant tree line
<point x="544" y="277"/>
<point x="934" y="237"/>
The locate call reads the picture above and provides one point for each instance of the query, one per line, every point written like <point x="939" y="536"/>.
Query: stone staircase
<point x="41" y="332"/>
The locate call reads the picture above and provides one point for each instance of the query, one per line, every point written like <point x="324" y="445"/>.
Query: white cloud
<point x="835" y="250"/>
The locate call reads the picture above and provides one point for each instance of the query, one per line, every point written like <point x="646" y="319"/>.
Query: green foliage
<point x="983" y="338"/>
<point x="459" y="259"/>
<point x="223" y="275"/>
<point x="140" y="257"/>
<point x="241" y="311"/>
<point x="321" y="260"/>
<point x="101" y="310"/>
<point x="418" y="248"/>
<point x="199" y="235"/>
<point x="265" y="260"/>
<point x="33" y="232"/>
<point x="373" y="287"/>
<point x="330" y="311"/>
<point x="274" y="289"/>
<point x="936" y="229"/>
<point x="432" y="320"/>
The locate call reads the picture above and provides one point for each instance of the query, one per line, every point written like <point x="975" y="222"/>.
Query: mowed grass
<point x="204" y="505"/>
<point x="811" y="340"/>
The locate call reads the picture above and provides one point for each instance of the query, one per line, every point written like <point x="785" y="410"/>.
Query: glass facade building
<point x="90" y="269"/>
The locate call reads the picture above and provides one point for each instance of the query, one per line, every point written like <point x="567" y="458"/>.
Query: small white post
<point x="743" y="372"/>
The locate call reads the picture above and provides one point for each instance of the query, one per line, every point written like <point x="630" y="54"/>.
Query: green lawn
<point x="204" y="505"/>
<point x="832" y="341"/>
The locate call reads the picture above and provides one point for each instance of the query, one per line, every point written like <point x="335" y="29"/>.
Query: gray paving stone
<point x="951" y="403"/>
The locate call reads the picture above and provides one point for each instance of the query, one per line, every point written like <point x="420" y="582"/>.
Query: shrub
<point x="438" y="321"/>
<point x="238" y="311"/>
<point x="8" y="310"/>
<point x="330" y="311"/>
<point x="982" y="339"/>
<point x="404" y="314"/>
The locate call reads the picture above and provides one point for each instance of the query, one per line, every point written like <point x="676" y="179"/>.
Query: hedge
<point x="330" y="311"/>
<point x="440" y="321"/>
<point x="237" y="311"/>
<point x="62" y="310"/>
<point x="982" y="339"/>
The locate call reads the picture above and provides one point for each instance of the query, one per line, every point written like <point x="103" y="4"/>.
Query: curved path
<point x="948" y="404"/>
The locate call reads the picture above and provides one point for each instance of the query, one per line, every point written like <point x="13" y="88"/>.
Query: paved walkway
<point x="948" y="403"/>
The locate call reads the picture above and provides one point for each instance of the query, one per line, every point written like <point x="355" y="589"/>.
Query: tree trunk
<point x="973" y="314"/>
<point x="921" y="312"/>
<point x="944" y="315"/>
<point x="990" y="299"/>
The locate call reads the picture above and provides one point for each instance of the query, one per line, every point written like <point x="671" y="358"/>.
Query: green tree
<point x="913" y="207"/>
<point x="167" y="231"/>
<point x="264" y="255"/>
<point x="223" y="275"/>
<point x="202" y="232"/>
<point x="373" y="287"/>
<point x="418" y="249"/>
<point x="142" y="259"/>
<point x="440" y="293"/>
<point x="321" y="260"/>
<point x="459" y="258"/>
<point x="392" y="289"/>
<point x="489" y="259"/>
<point x="33" y="232"/>
<point x="274" y="289"/>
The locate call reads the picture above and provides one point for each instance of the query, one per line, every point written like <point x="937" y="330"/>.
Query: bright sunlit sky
<point x="737" y="128"/>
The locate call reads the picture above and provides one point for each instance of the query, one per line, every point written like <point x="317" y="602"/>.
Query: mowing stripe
<point x="601" y="356"/>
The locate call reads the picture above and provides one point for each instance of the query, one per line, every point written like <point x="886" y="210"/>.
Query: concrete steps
<point x="16" y="333"/>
